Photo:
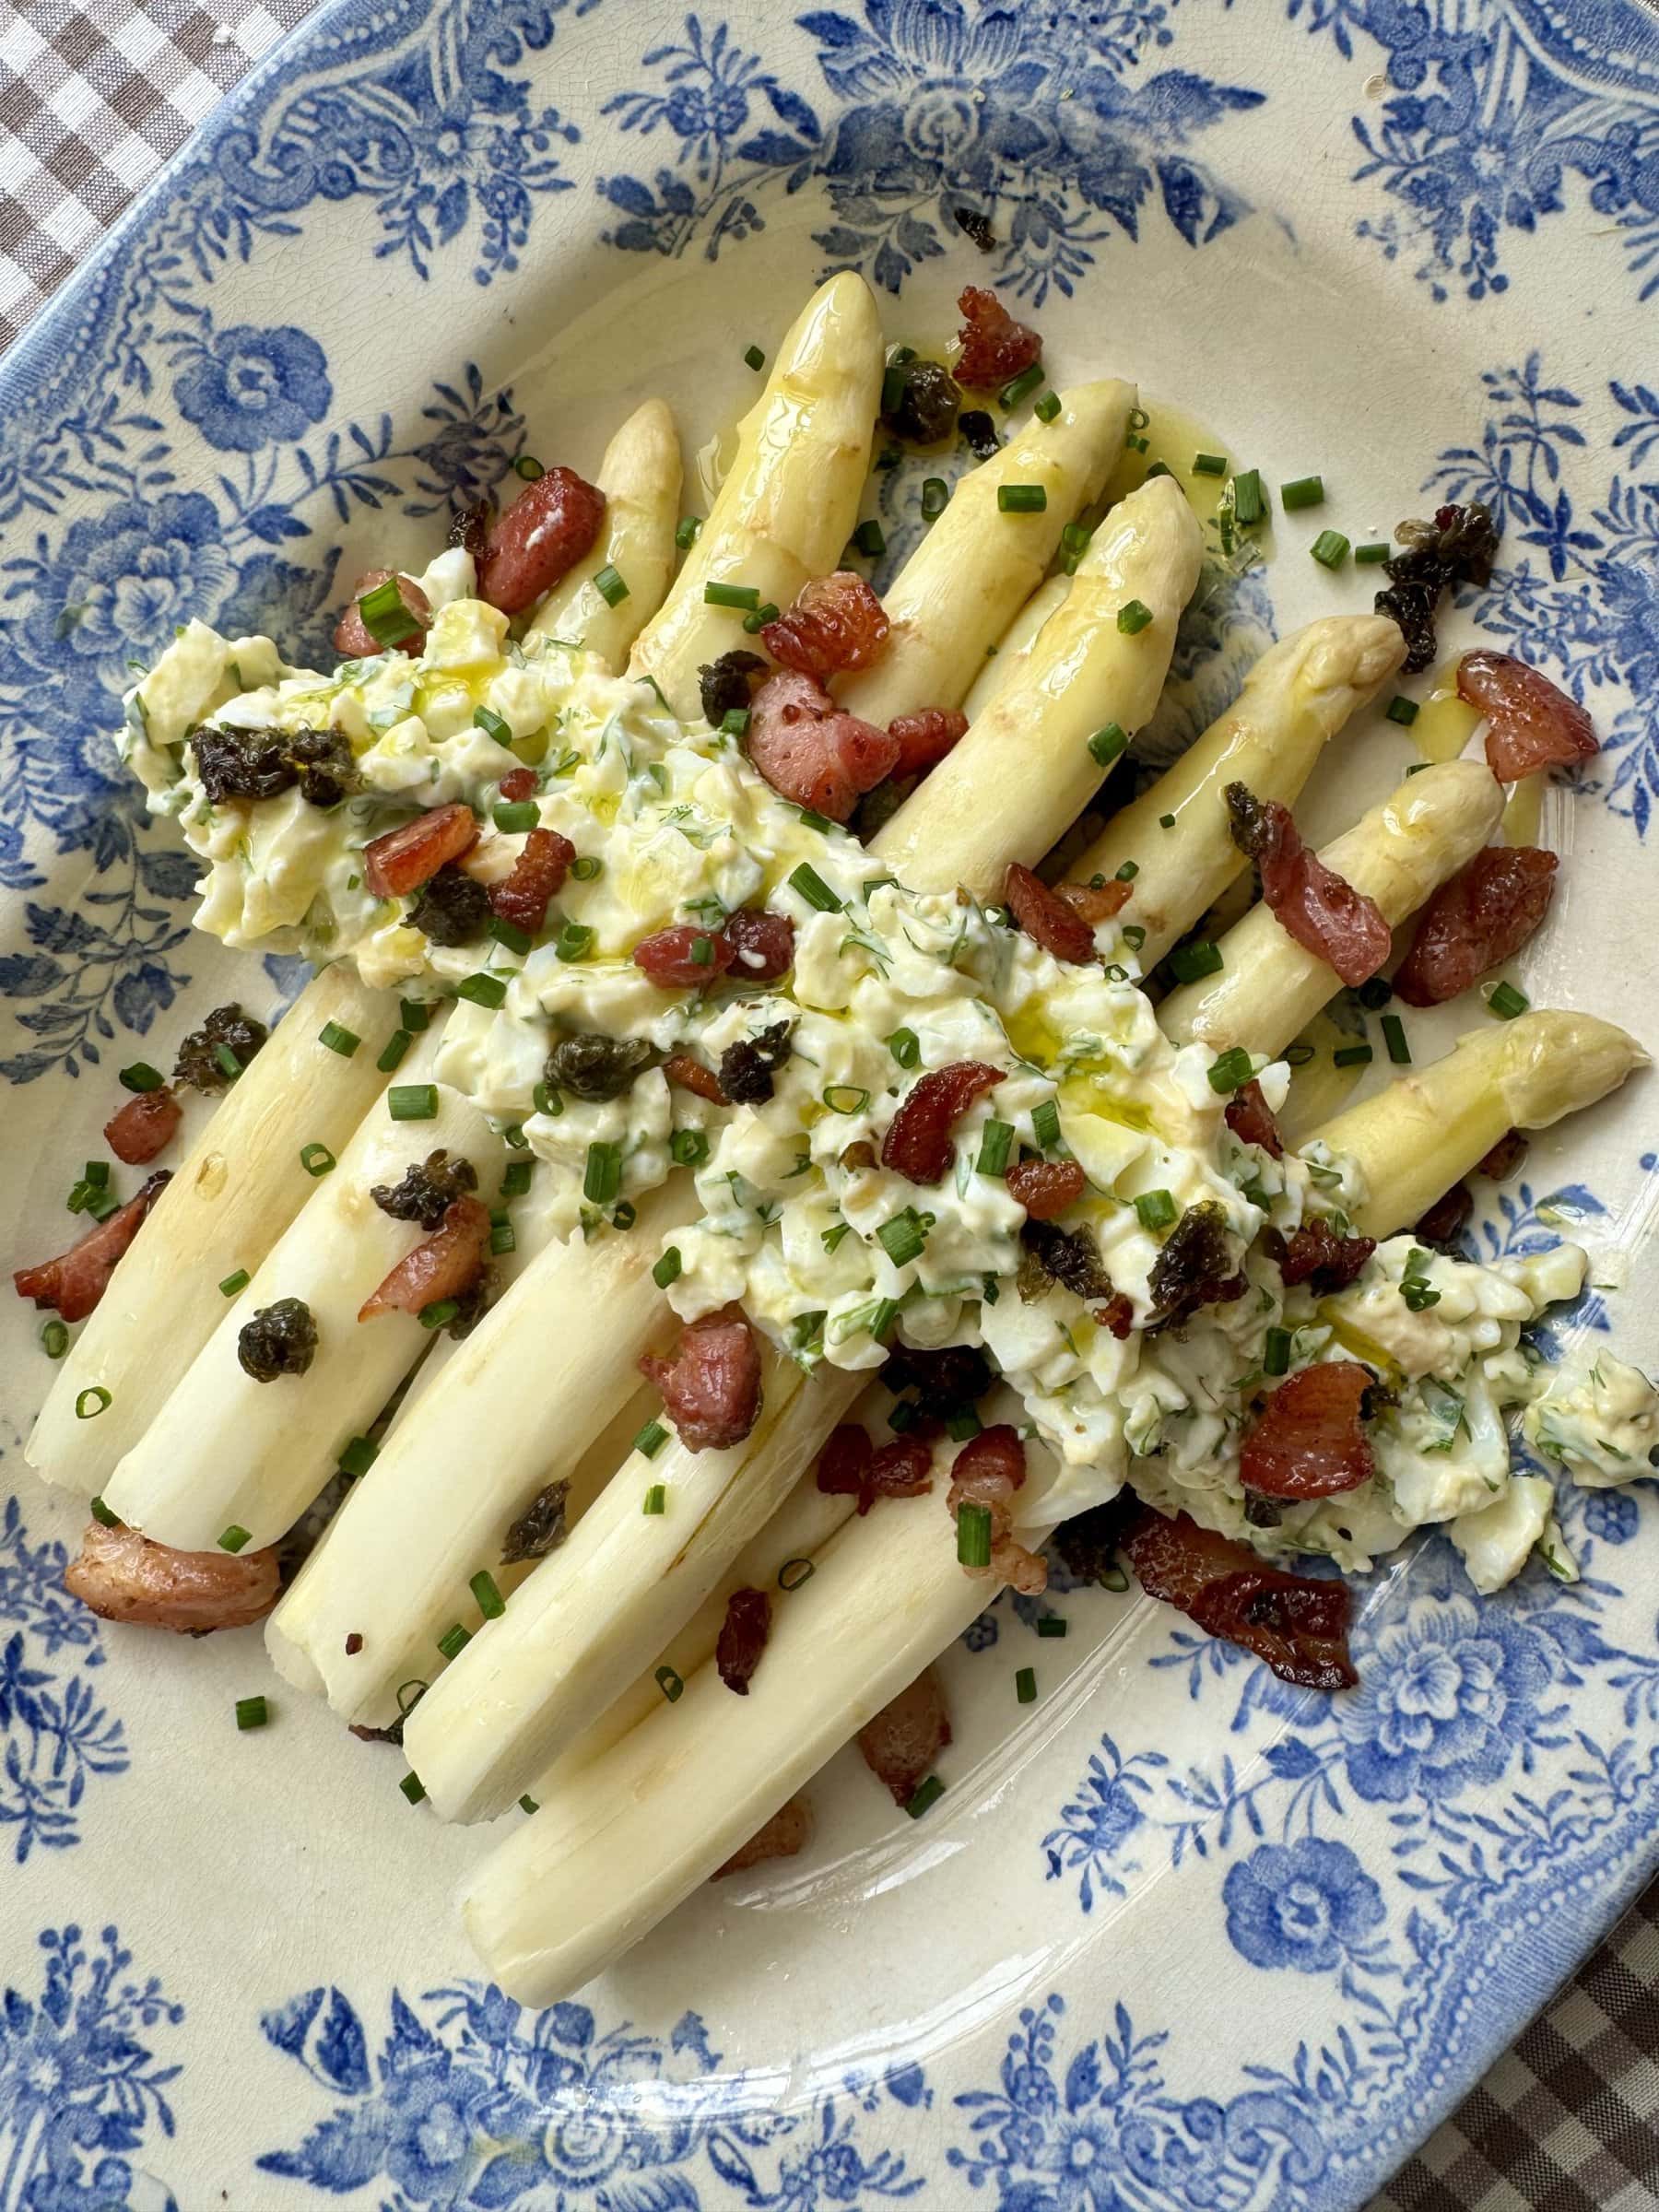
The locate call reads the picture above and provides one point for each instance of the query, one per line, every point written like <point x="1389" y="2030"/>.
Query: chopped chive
<point x="1209" y="464"/>
<point x="996" y="1140"/>
<point x="1190" y="963"/>
<point x="811" y="886"/>
<point x="510" y="934"/>
<point x="91" y="1402"/>
<point x="528" y="467"/>
<point x="796" y="1572"/>
<point x="1133" y="617"/>
<point x="734" y="722"/>
<point x="669" y="1683"/>
<point x="625" y="1215"/>
<point x="413" y="1788"/>
<point x="668" y="1268"/>
<point x="516" y="1178"/>
<point x="103" y="1516"/>
<point x="1275" y="1353"/>
<point x="904" y="1417"/>
<point x="1231" y="1071"/>
<point x="440" y="1313"/>
<point x="1351" y="1055"/>
<point x="962" y="1424"/>
<point x="490" y="1602"/>
<point x="1250" y="501"/>
<point x="455" y="1641"/>
<point x="392" y="1054"/>
<point x="1155" y="1210"/>
<point x="1021" y="499"/>
<point x="1506" y="1001"/>
<point x="702" y="952"/>
<point x="574" y="942"/>
<point x="546" y="1100"/>
<point x="413" y="1013"/>
<point x="650" y="1440"/>
<point x="503" y="1238"/>
<point x="251" y="1713"/>
<point x="974" y="1535"/>
<point x="1051" y="1624"/>
<point x="1374" y="551"/>
<point x="528" y="1805"/>
<point x="140" y="1077"/>
<point x="1301" y="491"/>
<point x="755" y="357"/>
<point x="905" y="1047"/>
<point x="1024" y="1685"/>
<point x="903" y="1238"/>
<point x="1137" y="446"/>
<point x="231" y="1285"/>
<point x="1402" y="710"/>
<point x="1394" y="1036"/>
<point x="1166" y="822"/>
<point x="357" y="1456"/>
<point x="1108" y="743"/>
<point x="689" y="1148"/>
<point x="317" y="1159"/>
<point x="601" y="1180"/>
<point x="54" y="1338"/>
<point x="756" y="622"/>
<point x="1330" y="548"/>
<point x="588" y="869"/>
<point x="928" y="1794"/>
<point x="831" y="1238"/>
<point x="1297" y="1055"/>
<point x="227" y="1061"/>
<point x="413" y="1102"/>
<point x="1129" y="871"/>
<point x="688" y="532"/>
<point x="1374" y="992"/>
<point x="882" y="1319"/>
<point x="1045" y="1124"/>
<point x="731" y="595"/>
<point x="936" y="498"/>
<point x="1074" y="538"/>
<point x="97" y="1173"/>
<point x="870" y="539"/>
<point x="656" y="1500"/>
<point x="1133" y="936"/>
<point x="846" y="1098"/>
<point x="385" y="617"/>
<point x="492" y="725"/>
<point x="483" y="990"/>
<point x="1021" y="386"/>
<point x="610" y="585"/>
<point x="1047" y="408"/>
<point x="893" y="381"/>
<point x="512" y="816"/>
<point x="235" y="1537"/>
<point x="512" y="1133"/>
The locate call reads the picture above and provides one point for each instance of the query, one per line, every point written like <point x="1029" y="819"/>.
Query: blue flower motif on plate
<point x="247" y="388"/>
<point x="1307" y="1905"/>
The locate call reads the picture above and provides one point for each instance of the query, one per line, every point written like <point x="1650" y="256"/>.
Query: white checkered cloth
<point x="92" y="101"/>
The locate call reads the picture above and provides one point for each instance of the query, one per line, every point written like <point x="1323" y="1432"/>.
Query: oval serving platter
<point x="1175" y="1937"/>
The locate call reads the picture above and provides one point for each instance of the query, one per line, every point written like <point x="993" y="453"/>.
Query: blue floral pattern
<point x="1048" y="124"/>
<point x="56" y="1735"/>
<point x="1499" y="112"/>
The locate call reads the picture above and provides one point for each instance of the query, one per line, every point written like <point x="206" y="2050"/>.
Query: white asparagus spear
<point x="226" y="1450"/>
<point x="975" y="813"/>
<point x="629" y="1833"/>
<point x="976" y="567"/>
<point x="405" y="1507"/>
<point x="233" y="1195"/>
<point x="1014" y="647"/>
<point x="640" y="477"/>
<point x="1299" y="694"/>
<point x="557" y="1658"/>
<point x="1269" y="987"/>
<point x="1431" y="1127"/>
<point x="790" y="499"/>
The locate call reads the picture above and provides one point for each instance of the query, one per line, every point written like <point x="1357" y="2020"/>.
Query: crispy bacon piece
<point x="1442" y="1227"/>
<point x="77" y="1278"/>
<point x="987" y="1471"/>
<point x="1096" y="902"/>
<point x="1117" y="1315"/>
<point x="121" y="1575"/>
<point x="925" y="739"/>
<point x="519" y="785"/>
<point x="1317" y="1253"/>
<point x="836" y="622"/>
<point x="1046" y="1187"/>
<point x="1309" y="1441"/>
<point x="684" y="957"/>
<point x="787" y="1833"/>
<point x="691" y="1074"/>
<point x="402" y="859"/>
<point x="1292" y="1623"/>
<point x="1250" y="1118"/>
<point x="537" y="875"/>
<point x="1311" y="903"/>
<point x="762" y="944"/>
<point x="549" y="529"/>
<point x="902" y="1468"/>
<point x="1506" y="1156"/>
<point x="810" y="750"/>
<point x="843" y="1468"/>
<point x="143" y="1126"/>
<point x="1043" y="914"/>
<point x="441" y="1266"/>
<point x="994" y="347"/>
<point x="743" y="1635"/>
<point x="353" y="638"/>
<point x="917" y="1144"/>
<point x="1531" y="723"/>
<point x="900" y="1744"/>
<point x="711" y="1385"/>
<point x="1483" y="916"/>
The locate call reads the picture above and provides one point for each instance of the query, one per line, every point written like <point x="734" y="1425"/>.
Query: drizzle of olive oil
<point x="1520" y="816"/>
<point x="1321" y="1089"/>
<point x="1176" y="438"/>
<point x="1445" y="722"/>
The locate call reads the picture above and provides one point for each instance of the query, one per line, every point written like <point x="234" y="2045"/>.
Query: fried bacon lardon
<point x="812" y="751"/>
<point x="537" y="877"/>
<point x="786" y="1835"/>
<point x="923" y="739"/>
<point x="445" y="1264"/>
<point x="1310" y="1441"/>
<point x="743" y="1636"/>
<point x="711" y="1384"/>
<point x="1055" y="922"/>
<point x="917" y="1144"/>
<point x="836" y="622"/>
<point x="1250" y="1118"/>
<point x="76" y="1279"/>
<point x="143" y="1126"/>
<point x="402" y="859"/>
<point x="121" y="1575"/>
<point x="900" y="1744"/>
<point x="988" y="1470"/>
<point x="1531" y="723"/>
<point x="994" y="347"/>
<point x="549" y="529"/>
<point x="1481" y="918"/>
<point x="1310" y="903"/>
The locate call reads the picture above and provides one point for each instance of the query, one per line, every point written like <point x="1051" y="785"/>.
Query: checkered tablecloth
<point x="92" y="101"/>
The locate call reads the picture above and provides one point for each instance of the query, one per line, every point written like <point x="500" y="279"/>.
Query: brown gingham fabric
<point x="92" y="101"/>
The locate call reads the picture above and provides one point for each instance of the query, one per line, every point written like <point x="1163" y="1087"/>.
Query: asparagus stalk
<point x="1012" y="649"/>
<point x="640" y="477"/>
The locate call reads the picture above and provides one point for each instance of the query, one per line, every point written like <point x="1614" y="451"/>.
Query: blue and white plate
<point x="1176" y="1937"/>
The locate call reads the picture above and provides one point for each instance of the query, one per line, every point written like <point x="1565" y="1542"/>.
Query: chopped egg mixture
<point x="835" y="1254"/>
